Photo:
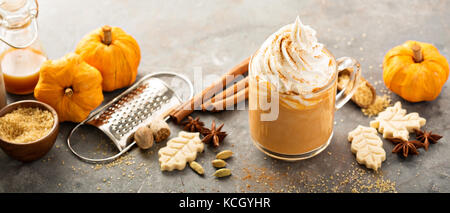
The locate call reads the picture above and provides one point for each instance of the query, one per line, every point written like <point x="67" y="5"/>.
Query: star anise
<point x="193" y="125"/>
<point x="214" y="134"/>
<point x="427" y="137"/>
<point x="406" y="147"/>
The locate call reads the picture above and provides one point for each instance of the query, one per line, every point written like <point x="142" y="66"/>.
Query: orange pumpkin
<point x="415" y="71"/>
<point x="71" y="86"/>
<point x="114" y="53"/>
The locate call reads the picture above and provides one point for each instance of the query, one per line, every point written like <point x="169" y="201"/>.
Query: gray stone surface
<point x="214" y="36"/>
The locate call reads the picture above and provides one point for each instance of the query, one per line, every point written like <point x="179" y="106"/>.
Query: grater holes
<point x="135" y="107"/>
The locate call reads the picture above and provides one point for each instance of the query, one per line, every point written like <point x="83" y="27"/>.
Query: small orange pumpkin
<point x="416" y="71"/>
<point x="71" y="86"/>
<point x="114" y="53"/>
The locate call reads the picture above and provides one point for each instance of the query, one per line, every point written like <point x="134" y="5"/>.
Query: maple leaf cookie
<point x="393" y="122"/>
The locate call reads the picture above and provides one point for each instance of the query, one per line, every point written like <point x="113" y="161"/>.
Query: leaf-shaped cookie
<point x="367" y="146"/>
<point x="393" y="122"/>
<point x="180" y="150"/>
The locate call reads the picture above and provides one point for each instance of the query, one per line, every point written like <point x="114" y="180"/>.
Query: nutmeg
<point x="160" y="129"/>
<point x="144" y="137"/>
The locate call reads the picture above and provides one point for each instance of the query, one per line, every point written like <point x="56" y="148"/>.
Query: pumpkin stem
<point x="107" y="37"/>
<point x="68" y="92"/>
<point x="417" y="50"/>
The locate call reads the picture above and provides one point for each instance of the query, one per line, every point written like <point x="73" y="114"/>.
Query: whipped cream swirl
<point x="293" y="61"/>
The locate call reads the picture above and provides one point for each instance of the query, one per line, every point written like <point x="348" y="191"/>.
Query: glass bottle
<point x="21" y="53"/>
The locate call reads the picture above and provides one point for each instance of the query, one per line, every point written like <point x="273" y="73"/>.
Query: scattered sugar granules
<point x="355" y="179"/>
<point x="381" y="102"/>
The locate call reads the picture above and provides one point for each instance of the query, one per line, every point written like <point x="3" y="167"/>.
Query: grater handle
<point x="95" y="160"/>
<point x="180" y="76"/>
<point x="99" y="160"/>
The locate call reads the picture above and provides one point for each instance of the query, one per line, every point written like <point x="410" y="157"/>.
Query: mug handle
<point x="355" y="78"/>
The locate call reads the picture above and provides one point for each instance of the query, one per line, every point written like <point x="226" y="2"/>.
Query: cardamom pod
<point x="224" y="154"/>
<point x="197" y="167"/>
<point x="222" y="173"/>
<point x="218" y="163"/>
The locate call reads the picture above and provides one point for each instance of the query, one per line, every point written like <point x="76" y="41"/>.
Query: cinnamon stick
<point x="231" y="101"/>
<point x="168" y="112"/>
<point x="230" y="91"/>
<point x="188" y="107"/>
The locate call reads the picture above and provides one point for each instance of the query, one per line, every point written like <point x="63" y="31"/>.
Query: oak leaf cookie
<point x="180" y="150"/>
<point x="393" y="122"/>
<point x="367" y="146"/>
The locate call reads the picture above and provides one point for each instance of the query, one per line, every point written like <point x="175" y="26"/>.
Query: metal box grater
<point x="134" y="108"/>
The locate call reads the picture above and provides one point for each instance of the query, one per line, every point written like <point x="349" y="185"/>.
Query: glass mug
<point x="299" y="130"/>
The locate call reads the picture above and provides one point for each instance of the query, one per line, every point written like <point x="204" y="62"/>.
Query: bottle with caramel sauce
<point x="21" y="53"/>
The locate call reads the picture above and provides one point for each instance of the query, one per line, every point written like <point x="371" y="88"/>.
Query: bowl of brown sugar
<point x="28" y="129"/>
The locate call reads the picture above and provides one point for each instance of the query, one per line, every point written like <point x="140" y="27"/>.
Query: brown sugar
<point x="25" y="125"/>
<point x="365" y="94"/>
<point x="381" y="102"/>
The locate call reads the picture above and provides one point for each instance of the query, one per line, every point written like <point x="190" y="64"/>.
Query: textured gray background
<point x="214" y="36"/>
